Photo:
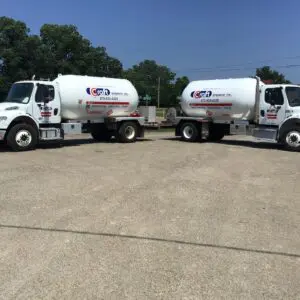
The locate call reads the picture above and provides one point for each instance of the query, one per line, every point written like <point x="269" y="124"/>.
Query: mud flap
<point x="141" y="132"/>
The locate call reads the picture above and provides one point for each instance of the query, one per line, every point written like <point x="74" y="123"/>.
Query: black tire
<point x="216" y="134"/>
<point x="291" y="139"/>
<point x="189" y="132"/>
<point x="101" y="135"/>
<point x="127" y="132"/>
<point x="22" y="142"/>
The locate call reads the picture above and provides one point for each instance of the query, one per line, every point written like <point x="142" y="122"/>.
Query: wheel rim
<point x="129" y="132"/>
<point x="188" y="132"/>
<point x="23" y="138"/>
<point x="293" y="139"/>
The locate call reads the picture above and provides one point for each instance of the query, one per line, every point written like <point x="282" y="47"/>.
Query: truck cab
<point x="38" y="99"/>
<point x="278" y="103"/>
<point x="29" y="107"/>
<point x="279" y="109"/>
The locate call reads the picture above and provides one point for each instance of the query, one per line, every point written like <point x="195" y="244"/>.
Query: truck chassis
<point x="192" y="129"/>
<point x="24" y="134"/>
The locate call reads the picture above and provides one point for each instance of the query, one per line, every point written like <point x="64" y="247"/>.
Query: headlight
<point x="3" y="118"/>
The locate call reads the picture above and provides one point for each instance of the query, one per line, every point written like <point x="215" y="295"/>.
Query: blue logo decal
<point x="98" y="91"/>
<point x="201" y="94"/>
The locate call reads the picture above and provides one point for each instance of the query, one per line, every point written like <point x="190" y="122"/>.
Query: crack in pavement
<point x="154" y="239"/>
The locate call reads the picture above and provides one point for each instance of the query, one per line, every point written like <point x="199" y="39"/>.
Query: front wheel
<point x="189" y="132"/>
<point x="291" y="140"/>
<point x="22" y="137"/>
<point x="127" y="132"/>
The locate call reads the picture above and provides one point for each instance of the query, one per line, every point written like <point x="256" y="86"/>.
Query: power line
<point x="239" y="69"/>
<point x="228" y="70"/>
<point x="226" y="67"/>
<point x="234" y="69"/>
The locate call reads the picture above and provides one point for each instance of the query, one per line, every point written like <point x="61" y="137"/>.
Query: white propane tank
<point x="222" y="99"/>
<point x="88" y="98"/>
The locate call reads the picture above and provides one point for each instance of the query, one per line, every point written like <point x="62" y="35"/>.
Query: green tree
<point x="145" y="77"/>
<point x="62" y="49"/>
<point x="178" y="87"/>
<point x="58" y="49"/>
<point x="14" y="59"/>
<point x="266" y="73"/>
<point x="180" y="84"/>
<point x="66" y="51"/>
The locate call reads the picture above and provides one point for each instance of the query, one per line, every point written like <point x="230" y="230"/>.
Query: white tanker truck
<point x="215" y="108"/>
<point x="38" y="110"/>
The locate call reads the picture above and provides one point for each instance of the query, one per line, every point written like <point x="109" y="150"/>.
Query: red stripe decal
<point x="271" y="115"/>
<point x="211" y="104"/>
<point x="104" y="103"/>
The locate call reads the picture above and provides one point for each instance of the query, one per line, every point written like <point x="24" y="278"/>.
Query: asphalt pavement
<point x="157" y="219"/>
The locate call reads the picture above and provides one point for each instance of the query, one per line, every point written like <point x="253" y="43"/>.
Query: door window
<point x="293" y="95"/>
<point x="274" y="96"/>
<point x="44" y="93"/>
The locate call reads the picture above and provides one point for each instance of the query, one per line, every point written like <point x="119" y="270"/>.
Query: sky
<point x="197" y="38"/>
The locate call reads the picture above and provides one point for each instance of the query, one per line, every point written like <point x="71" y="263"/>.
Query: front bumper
<point x="2" y="134"/>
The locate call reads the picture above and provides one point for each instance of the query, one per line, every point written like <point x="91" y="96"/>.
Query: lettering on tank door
<point x="104" y="98"/>
<point x="208" y="99"/>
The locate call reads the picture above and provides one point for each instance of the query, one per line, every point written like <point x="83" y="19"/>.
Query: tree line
<point x="62" y="49"/>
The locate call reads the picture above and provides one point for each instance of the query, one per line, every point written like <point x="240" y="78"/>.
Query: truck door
<point x="46" y="107"/>
<point x="272" y="106"/>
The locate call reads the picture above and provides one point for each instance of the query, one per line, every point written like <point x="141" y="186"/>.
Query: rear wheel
<point x="127" y="133"/>
<point x="22" y="137"/>
<point x="189" y="132"/>
<point x="291" y="139"/>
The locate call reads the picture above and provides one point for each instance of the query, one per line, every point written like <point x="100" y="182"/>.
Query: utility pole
<point x="158" y="92"/>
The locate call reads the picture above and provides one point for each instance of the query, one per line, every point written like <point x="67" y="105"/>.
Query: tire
<point x="189" y="132"/>
<point x="22" y="137"/>
<point x="101" y="136"/>
<point x="291" y="139"/>
<point x="216" y="134"/>
<point x="127" y="132"/>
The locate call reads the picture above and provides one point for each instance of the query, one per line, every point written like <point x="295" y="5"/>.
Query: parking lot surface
<point x="158" y="219"/>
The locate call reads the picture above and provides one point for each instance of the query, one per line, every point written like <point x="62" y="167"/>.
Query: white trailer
<point x="247" y="106"/>
<point x="42" y="111"/>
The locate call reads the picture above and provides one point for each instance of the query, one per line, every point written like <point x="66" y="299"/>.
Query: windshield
<point x="20" y="93"/>
<point x="293" y="95"/>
